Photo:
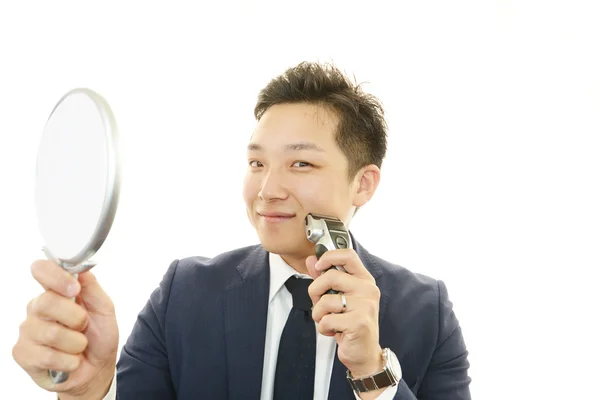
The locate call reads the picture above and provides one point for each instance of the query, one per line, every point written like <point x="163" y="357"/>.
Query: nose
<point x="273" y="187"/>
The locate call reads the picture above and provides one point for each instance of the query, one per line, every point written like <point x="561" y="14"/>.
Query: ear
<point x="365" y="184"/>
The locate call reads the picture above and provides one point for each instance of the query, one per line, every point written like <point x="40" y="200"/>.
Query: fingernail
<point x="73" y="289"/>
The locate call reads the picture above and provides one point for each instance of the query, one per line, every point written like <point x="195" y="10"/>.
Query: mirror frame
<point x="77" y="263"/>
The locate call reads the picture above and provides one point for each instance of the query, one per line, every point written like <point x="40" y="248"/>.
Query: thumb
<point x="93" y="297"/>
<point x="311" y="261"/>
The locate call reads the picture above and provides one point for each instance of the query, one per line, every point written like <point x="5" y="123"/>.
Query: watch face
<point x="394" y="365"/>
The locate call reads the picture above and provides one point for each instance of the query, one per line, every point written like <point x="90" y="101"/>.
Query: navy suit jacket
<point x="201" y="334"/>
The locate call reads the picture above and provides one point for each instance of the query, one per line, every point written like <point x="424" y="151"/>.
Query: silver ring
<point x="344" y="304"/>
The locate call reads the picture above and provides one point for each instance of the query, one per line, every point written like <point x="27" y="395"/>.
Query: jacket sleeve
<point x="447" y="374"/>
<point x="143" y="368"/>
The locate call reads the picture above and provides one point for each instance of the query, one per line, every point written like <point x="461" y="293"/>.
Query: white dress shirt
<point x="280" y="304"/>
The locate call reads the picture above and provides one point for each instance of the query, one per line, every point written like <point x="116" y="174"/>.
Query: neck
<point x="298" y="263"/>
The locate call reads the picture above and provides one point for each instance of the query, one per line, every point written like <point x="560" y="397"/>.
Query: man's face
<point x="295" y="167"/>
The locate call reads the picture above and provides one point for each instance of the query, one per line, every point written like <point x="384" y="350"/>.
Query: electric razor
<point x="327" y="233"/>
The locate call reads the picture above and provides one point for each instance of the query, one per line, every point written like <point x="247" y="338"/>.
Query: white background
<point x="491" y="182"/>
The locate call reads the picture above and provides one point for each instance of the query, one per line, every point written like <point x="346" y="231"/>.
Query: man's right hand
<point x="77" y="337"/>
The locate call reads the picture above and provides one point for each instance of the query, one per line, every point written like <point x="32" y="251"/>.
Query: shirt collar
<point x="282" y="271"/>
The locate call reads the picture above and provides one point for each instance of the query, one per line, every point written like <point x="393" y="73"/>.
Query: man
<point x="257" y="322"/>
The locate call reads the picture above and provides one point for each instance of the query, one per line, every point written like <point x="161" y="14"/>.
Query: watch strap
<point x="374" y="382"/>
<point x="380" y="380"/>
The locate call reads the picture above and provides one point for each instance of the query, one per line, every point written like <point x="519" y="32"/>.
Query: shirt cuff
<point x="388" y="393"/>
<point x="112" y="392"/>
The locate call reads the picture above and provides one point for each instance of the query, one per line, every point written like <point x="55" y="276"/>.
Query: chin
<point x="285" y="245"/>
<point x="278" y="245"/>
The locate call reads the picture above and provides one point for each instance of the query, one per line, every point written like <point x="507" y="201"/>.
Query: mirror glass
<point x="76" y="187"/>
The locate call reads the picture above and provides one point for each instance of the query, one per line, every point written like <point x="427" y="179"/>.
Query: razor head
<point x="326" y="229"/>
<point x="315" y="227"/>
<point x="327" y="233"/>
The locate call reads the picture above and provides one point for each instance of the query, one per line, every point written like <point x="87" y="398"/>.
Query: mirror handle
<point x="58" y="376"/>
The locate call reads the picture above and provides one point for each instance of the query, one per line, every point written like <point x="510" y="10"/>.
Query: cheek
<point x="250" y="190"/>
<point x="318" y="195"/>
<point x="311" y="195"/>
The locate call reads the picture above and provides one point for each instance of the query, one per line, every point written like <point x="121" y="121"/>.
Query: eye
<point x="302" y="164"/>
<point x="255" y="164"/>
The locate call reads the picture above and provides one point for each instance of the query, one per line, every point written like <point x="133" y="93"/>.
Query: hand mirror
<point x="77" y="182"/>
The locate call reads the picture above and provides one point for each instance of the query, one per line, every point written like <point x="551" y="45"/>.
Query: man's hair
<point x="362" y="129"/>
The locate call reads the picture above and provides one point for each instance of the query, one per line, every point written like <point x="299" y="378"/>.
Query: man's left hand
<point x="356" y="330"/>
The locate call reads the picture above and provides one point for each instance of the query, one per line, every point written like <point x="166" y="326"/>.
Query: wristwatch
<point x="390" y="376"/>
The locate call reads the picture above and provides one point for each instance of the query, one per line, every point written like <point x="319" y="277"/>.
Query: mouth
<point x="276" y="216"/>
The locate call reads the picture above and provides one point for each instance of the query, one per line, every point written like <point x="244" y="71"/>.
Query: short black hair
<point x="362" y="129"/>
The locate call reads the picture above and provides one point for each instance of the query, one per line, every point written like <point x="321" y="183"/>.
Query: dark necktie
<point x="295" y="372"/>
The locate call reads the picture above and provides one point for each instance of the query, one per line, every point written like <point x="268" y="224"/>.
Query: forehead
<point x="282" y="124"/>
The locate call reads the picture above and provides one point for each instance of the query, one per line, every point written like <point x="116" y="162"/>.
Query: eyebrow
<point x="289" y="147"/>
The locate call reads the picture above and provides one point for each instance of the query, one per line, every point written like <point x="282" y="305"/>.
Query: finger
<point x="52" y="306"/>
<point x="55" y="335"/>
<point x="336" y="280"/>
<point x="310" y="265"/>
<point x="53" y="277"/>
<point x="37" y="359"/>
<point x="93" y="296"/>
<point x="346" y="258"/>
<point x="331" y="324"/>
<point x="329" y="303"/>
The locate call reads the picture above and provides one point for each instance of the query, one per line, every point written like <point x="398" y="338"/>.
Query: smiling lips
<point x="274" y="216"/>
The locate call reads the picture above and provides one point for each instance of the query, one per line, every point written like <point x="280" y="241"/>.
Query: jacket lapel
<point x="245" y="311"/>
